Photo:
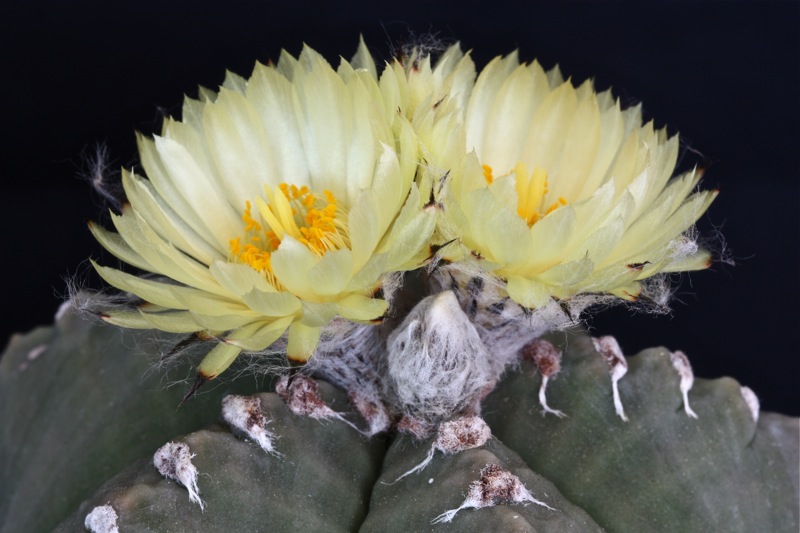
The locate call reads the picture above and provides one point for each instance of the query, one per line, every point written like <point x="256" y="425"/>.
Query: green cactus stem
<point x="79" y="430"/>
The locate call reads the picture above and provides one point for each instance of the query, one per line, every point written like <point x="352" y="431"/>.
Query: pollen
<point x="317" y="221"/>
<point x="531" y="192"/>
<point x="487" y="173"/>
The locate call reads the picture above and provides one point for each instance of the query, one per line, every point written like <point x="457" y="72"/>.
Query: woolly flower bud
<point x="278" y="203"/>
<point x="557" y="191"/>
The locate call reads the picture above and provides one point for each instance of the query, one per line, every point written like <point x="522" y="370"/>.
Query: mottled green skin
<point x="322" y="482"/>
<point x="661" y="471"/>
<point x="81" y="412"/>
<point x="443" y="485"/>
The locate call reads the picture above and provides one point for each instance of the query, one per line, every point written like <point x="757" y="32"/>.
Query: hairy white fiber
<point x="503" y="325"/>
<point x="102" y="519"/>
<point x="495" y="487"/>
<point x="454" y="436"/>
<point x="174" y="461"/>
<point x="608" y="347"/>
<point x="437" y="364"/>
<point x="548" y="361"/>
<point x="244" y="415"/>
<point x="684" y="369"/>
<point x="350" y="356"/>
<point x="301" y="395"/>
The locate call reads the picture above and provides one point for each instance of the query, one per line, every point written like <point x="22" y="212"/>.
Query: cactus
<point x="80" y="429"/>
<point x="437" y="223"/>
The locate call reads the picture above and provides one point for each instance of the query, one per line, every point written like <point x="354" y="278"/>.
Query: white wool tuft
<point x="496" y="486"/>
<point x="244" y="415"/>
<point x="102" y="519"/>
<point x="174" y="461"/>
<point x="608" y="347"/>
<point x="454" y="436"/>
<point x="684" y="369"/>
<point x="437" y="364"/>
<point x="547" y="359"/>
<point x="301" y="395"/>
<point x="503" y="325"/>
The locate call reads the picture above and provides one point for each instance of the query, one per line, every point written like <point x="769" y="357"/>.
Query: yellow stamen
<point x="531" y="192"/>
<point x="318" y="223"/>
<point x="487" y="173"/>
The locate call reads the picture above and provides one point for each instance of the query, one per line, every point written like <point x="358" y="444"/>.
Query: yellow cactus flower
<point x="562" y="192"/>
<point x="278" y="203"/>
<point x="432" y="97"/>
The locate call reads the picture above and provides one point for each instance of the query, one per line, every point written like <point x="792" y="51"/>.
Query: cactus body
<point x="76" y="415"/>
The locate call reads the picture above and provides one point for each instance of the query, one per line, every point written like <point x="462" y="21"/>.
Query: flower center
<point x="531" y="191"/>
<point x="316" y="221"/>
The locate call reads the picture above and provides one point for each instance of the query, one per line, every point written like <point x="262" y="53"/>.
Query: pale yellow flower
<point x="278" y="203"/>
<point x="562" y="192"/>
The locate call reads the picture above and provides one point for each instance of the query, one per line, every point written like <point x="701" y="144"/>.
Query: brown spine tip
<point x="199" y="381"/>
<point x="432" y="203"/>
<point x="434" y="248"/>
<point x="637" y="266"/>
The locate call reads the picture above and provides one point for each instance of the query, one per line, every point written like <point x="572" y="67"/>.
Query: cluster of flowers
<point x="294" y="197"/>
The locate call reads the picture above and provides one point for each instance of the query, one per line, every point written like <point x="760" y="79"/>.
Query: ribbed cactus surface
<point x="83" y="413"/>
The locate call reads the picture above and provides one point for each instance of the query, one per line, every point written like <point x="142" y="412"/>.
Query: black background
<point x="723" y="74"/>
